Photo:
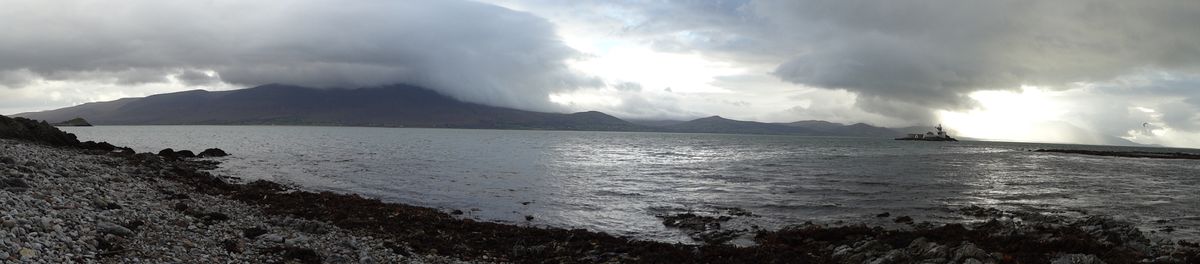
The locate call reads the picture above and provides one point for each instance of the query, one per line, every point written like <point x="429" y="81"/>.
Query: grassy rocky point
<point x="202" y="216"/>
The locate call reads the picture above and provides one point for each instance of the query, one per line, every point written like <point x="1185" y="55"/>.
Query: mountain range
<point x="396" y="106"/>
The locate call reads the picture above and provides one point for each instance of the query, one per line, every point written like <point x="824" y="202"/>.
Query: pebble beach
<point x="62" y="206"/>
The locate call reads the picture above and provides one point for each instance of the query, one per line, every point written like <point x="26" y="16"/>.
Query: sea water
<point x="617" y="182"/>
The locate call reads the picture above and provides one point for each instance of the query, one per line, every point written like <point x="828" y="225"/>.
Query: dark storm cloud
<point x="933" y="53"/>
<point x="908" y="58"/>
<point x="473" y="51"/>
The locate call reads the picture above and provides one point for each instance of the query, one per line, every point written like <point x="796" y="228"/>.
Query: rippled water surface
<point x="617" y="182"/>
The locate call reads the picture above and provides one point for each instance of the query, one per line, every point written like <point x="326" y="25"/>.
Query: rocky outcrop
<point x="34" y="131"/>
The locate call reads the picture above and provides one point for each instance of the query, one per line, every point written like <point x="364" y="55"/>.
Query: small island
<point x="76" y="122"/>
<point x="930" y="136"/>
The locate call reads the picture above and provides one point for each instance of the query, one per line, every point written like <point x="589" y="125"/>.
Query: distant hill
<point x="855" y="130"/>
<point x="79" y="122"/>
<point x="717" y="124"/>
<point x="655" y="123"/>
<point x="391" y="106"/>
<point x="395" y="106"/>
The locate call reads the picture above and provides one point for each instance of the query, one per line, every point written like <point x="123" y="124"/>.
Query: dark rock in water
<point x="212" y="153"/>
<point x="528" y="218"/>
<point x="693" y="222"/>
<point x="185" y="154"/>
<point x="885" y="214"/>
<point x="735" y="211"/>
<point x="253" y="232"/>
<point x="172" y="154"/>
<point x="456" y="212"/>
<point x="716" y="236"/>
<point x="904" y="219"/>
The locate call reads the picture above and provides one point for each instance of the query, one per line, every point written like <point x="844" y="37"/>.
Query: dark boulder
<point x="253" y="232"/>
<point x="185" y="154"/>
<point x="212" y="153"/>
<point x="171" y="154"/>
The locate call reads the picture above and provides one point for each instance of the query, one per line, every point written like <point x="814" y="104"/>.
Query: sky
<point x="1069" y="71"/>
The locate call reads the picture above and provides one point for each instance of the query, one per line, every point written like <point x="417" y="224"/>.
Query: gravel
<point x="60" y="205"/>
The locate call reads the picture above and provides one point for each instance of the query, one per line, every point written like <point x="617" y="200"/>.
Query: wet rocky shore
<point x="1127" y="154"/>
<point x="63" y="201"/>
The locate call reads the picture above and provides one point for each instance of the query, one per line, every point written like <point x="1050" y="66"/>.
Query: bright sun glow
<point x="682" y="73"/>
<point x="1030" y="115"/>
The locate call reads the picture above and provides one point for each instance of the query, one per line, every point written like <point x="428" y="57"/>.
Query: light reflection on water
<point x="617" y="182"/>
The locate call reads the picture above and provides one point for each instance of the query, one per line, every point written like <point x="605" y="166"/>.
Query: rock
<point x="528" y="218"/>
<point x="903" y="219"/>
<point x="456" y="212"/>
<point x="968" y="251"/>
<point x="167" y="152"/>
<point x="715" y="236"/>
<point x="276" y="238"/>
<point x="253" y="232"/>
<point x="110" y="244"/>
<point x="27" y="253"/>
<point x="214" y="217"/>
<point x="1077" y="259"/>
<point x="884" y="214"/>
<point x="212" y="153"/>
<point x="3" y="254"/>
<point x="110" y="228"/>
<point x="103" y="204"/>
<point x="693" y="222"/>
<point x="134" y="225"/>
<point x="185" y="154"/>
<point x="7" y="160"/>
<point x="234" y="245"/>
<point x="14" y="183"/>
<point x="302" y="255"/>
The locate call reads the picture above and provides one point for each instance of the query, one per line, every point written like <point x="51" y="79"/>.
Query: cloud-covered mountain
<point x="472" y="51"/>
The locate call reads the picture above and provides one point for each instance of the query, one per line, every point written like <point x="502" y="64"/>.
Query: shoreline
<point x="111" y="205"/>
<point x="1125" y="154"/>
